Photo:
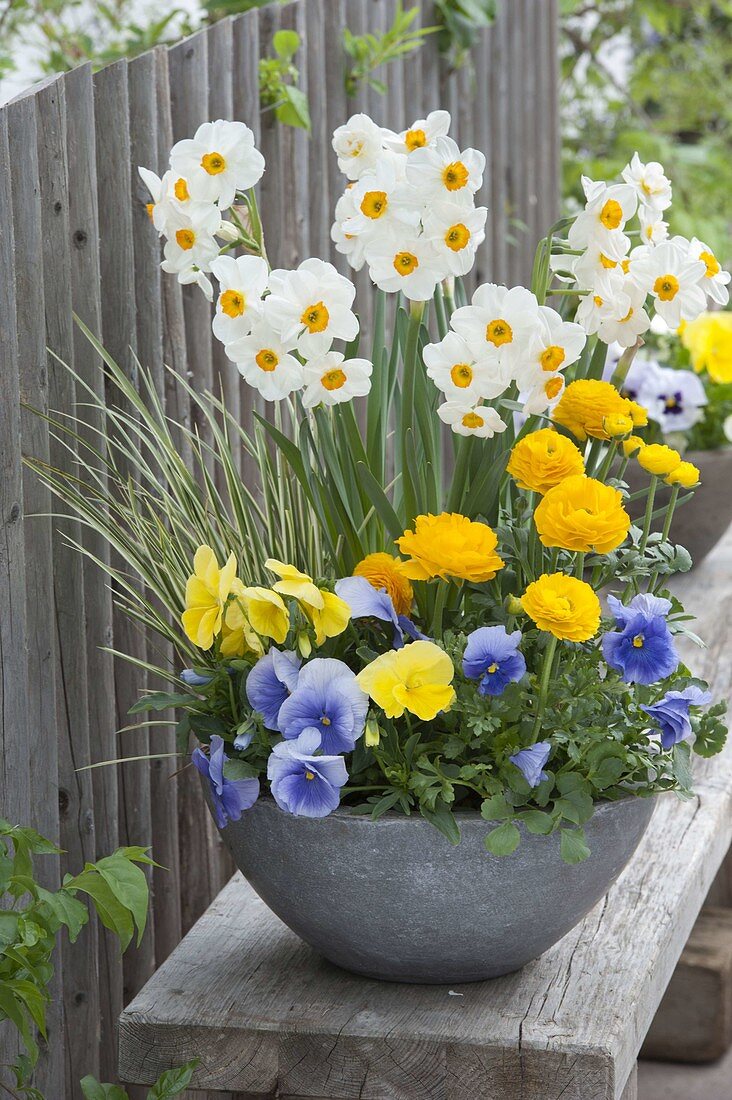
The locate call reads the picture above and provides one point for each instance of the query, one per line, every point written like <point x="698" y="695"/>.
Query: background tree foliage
<point x="653" y="75"/>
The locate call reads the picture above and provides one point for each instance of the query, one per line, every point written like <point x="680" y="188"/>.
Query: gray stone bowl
<point x="699" y="524"/>
<point x="392" y="899"/>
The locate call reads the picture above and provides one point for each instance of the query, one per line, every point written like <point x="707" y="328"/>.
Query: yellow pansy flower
<point x="543" y="459"/>
<point x="331" y="619"/>
<point x="385" y="571"/>
<point x="266" y="610"/>
<point x="417" y="678"/>
<point x="582" y="514"/>
<point x="450" y="545"/>
<point x="564" y="606"/>
<point x="686" y="474"/>
<point x="294" y="583"/>
<point x="207" y="591"/>
<point x="658" y="459"/>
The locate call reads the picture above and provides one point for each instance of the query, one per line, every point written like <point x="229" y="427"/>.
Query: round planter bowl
<point x="700" y="523"/>
<point x="392" y="899"/>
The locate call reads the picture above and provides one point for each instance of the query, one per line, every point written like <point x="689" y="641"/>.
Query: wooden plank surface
<point x="269" y="1013"/>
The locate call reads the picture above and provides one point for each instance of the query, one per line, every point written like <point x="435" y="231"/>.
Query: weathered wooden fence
<point x="74" y="236"/>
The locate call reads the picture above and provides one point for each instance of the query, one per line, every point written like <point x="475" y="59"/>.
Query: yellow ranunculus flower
<point x="450" y="545"/>
<point x="618" y="424"/>
<point x="564" y="606"/>
<point x="542" y="459"/>
<point x="686" y="474"/>
<point x="331" y="619"/>
<point x="294" y="583"/>
<point x="417" y="678"/>
<point x="385" y="571"/>
<point x="658" y="459"/>
<point x="582" y="514"/>
<point x="266" y="610"/>
<point x="587" y="403"/>
<point x="632" y="445"/>
<point x="207" y="590"/>
<point x="709" y="340"/>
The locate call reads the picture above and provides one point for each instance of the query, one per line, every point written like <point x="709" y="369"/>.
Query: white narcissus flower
<point x="653" y="229"/>
<point x="353" y="248"/>
<point x="174" y="200"/>
<point x="442" y="171"/>
<point x="222" y="156"/>
<point x="480" y="420"/>
<point x="332" y="379"/>
<point x="650" y="183"/>
<point x="496" y="318"/>
<point x="358" y="145"/>
<point x="455" y="231"/>
<point x="608" y="298"/>
<point x="188" y="253"/>
<point x="672" y="277"/>
<point x="405" y="263"/>
<point x="423" y="132"/>
<point x="383" y="203"/>
<point x="311" y="305"/>
<point x="716" y="280"/>
<point x="554" y="344"/>
<point x="606" y="211"/>
<point x="265" y="361"/>
<point x="621" y="328"/>
<point x="242" y="283"/>
<point x="461" y="376"/>
<point x="540" y="391"/>
<point x="596" y="259"/>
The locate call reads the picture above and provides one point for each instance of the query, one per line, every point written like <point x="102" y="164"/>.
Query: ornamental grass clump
<point x="383" y="622"/>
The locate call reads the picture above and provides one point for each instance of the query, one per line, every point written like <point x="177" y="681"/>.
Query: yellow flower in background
<point x="564" y="606"/>
<point x="658" y="459"/>
<point x="709" y="341"/>
<point x="239" y="640"/>
<point x="417" y="678"/>
<point x="587" y="403"/>
<point x="385" y="571"/>
<point x="542" y="459"/>
<point x="582" y="514"/>
<point x="207" y="591"/>
<point x="686" y="474"/>
<point x="331" y="619"/>
<point x="450" y="545"/>
<point x="294" y="583"/>
<point x="265" y="609"/>
<point x="632" y="445"/>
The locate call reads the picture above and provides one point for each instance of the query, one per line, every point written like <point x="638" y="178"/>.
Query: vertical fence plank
<point x="163" y="832"/>
<point x="293" y="145"/>
<point x="245" y="99"/>
<point x="272" y="192"/>
<point x="81" y="995"/>
<point x="86" y="301"/>
<point x="14" y="770"/>
<point x="119" y="328"/>
<point x="336" y="112"/>
<point x="499" y="115"/>
<point x="551" y="109"/>
<point x="484" y="142"/>
<point x="33" y="376"/>
<point x="320" y="214"/>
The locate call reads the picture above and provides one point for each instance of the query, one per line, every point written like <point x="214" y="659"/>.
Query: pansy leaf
<point x="573" y="846"/>
<point x="503" y="840"/>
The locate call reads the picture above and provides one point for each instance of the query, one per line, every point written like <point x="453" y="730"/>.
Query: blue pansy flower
<point x="492" y="656"/>
<point x="642" y="650"/>
<point x="530" y="762"/>
<point x="671" y="713"/>
<point x="229" y="797"/>
<point x="194" y="679"/>
<point x="367" y="602"/>
<point x="303" y="783"/>
<point x="328" y="699"/>
<point x="270" y="682"/>
<point x="243" y="740"/>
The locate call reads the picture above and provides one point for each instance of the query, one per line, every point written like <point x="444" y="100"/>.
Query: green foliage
<point x="117" y="889"/>
<point x="278" y="77"/>
<point x="369" y="51"/>
<point x="461" y="22"/>
<point x="171" y="1083"/>
<point x="672" y="107"/>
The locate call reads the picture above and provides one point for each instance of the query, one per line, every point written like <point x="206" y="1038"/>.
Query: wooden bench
<point x="269" y="1017"/>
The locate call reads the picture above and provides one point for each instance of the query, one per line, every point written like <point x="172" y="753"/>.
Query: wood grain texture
<point x="270" y="1014"/>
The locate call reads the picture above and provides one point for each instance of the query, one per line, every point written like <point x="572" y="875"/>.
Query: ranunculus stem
<point x="544" y="684"/>
<point x="649" y="513"/>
